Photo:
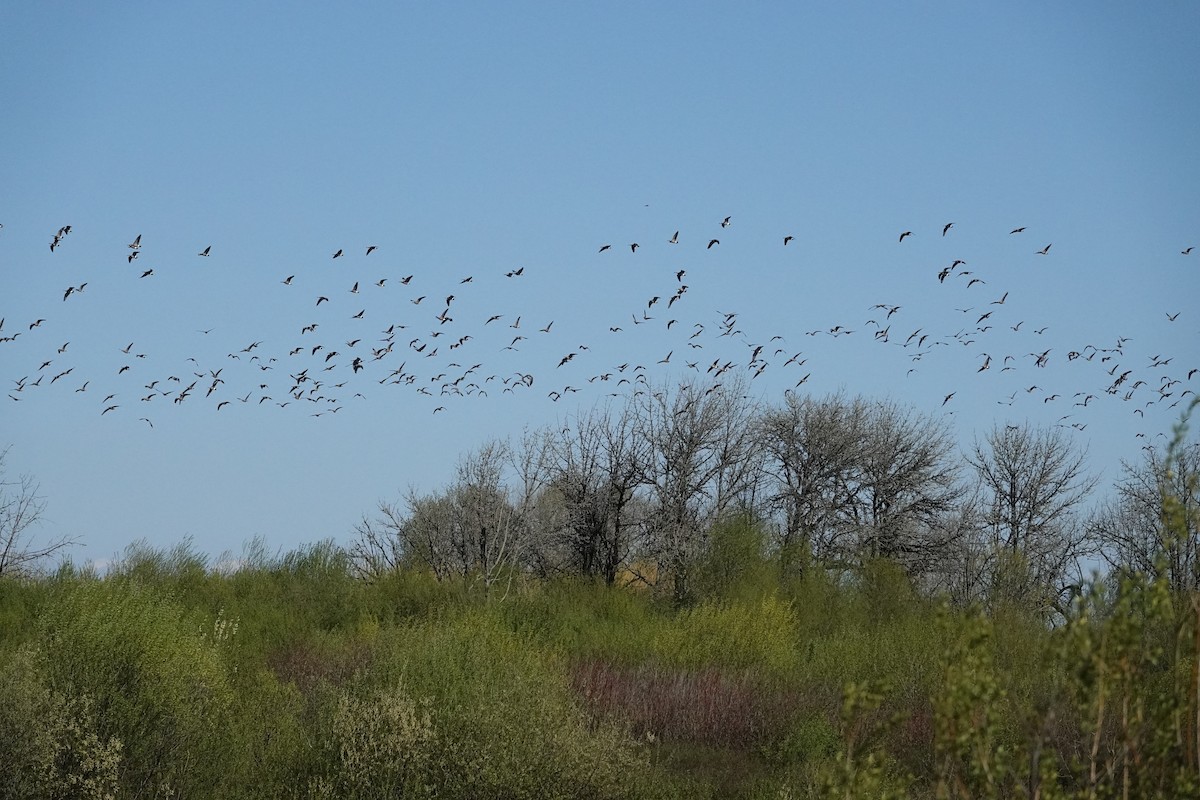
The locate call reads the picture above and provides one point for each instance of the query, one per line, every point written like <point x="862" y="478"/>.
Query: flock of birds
<point x="445" y="355"/>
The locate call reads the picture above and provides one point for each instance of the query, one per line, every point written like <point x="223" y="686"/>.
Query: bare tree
<point x="814" y="452"/>
<point x="909" y="482"/>
<point x="21" y="508"/>
<point x="1033" y="482"/>
<point x="595" y="467"/>
<point x="472" y="530"/>
<point x="701" y="463"/>
<point x="857" y="479"/>
<point x="1131" y="531"/>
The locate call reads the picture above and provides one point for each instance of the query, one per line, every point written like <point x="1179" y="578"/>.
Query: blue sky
<point x="472" y="140"/>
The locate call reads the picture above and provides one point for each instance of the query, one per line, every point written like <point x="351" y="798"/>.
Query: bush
<point x="156" y="679"/>
<point x="50" y="740"/>
<point x="503" y="719"/>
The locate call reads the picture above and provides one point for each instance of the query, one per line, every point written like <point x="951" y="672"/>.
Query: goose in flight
<point x="947" y="227"/>
<point x="205" y="252"/>
<point x="674" y="239"/>
<point x="136" y="244"/>
<point x="725" y="223"/>
<point x="906" y="233"/>
<point x="1016" y="230"/>
<point x="1045" y="250"/>
<point x="338" y="254"/>
<point x="711" y="242"/>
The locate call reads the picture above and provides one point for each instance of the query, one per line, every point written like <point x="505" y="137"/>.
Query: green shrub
<point x="155" y="676"/>
<point x="381" y="745"/>
<point x="503" y="719"/>
<point x="50" y="740"/>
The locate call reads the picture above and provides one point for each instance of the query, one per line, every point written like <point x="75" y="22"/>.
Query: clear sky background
<point x="473" y="140"/>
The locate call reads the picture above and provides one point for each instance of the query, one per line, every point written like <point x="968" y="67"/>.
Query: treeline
<point x="631" y="492"/>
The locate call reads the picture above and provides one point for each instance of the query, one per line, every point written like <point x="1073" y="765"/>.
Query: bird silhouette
<point x="906" y="233"/>
<point x="205" y="252"/>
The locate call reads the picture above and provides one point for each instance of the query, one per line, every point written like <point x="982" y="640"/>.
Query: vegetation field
<point x="294" y="677"/>
<point x="594" y="641"/>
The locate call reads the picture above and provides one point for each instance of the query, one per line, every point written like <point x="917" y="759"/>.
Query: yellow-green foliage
<point x="744" y="634"/>
<point x="155" y="676"/>
<point x="381" y="745"/>
<point x="50" y="743"/>
<point x="503" y="721"/>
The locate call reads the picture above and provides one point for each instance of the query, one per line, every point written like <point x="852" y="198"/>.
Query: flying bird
<point x="1016" y="230"/>
<point x="674" y="239"/>
<point x="371" y="249"/>
<point x="947" y="227"/>
<point x="906" y="233"/>
<point x="205" y="251"/>
<point x="711" y="242"/>
<point x="787" y="239"/>
<point x="604" y="247"/>
<point x="338" y="254"/>
<point x="1044" y="250"/>
<point x="725" y="222"/>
